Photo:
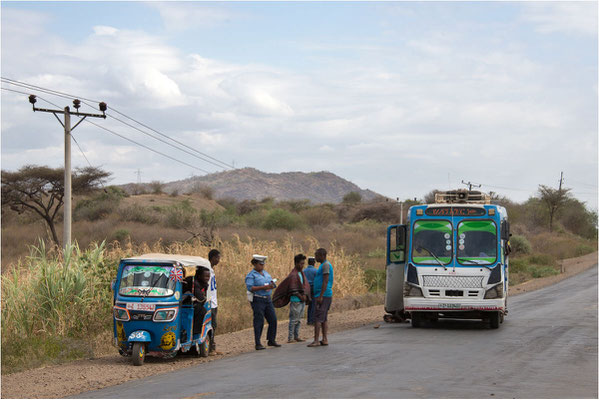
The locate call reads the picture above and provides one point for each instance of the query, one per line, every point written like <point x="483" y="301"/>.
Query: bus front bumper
<point x="445" y="304"/>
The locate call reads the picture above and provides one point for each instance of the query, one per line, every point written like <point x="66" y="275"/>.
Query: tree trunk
<point x="50" y="223"/>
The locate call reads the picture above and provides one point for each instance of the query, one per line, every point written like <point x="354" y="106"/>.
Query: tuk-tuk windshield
<point x="145" y="280"/>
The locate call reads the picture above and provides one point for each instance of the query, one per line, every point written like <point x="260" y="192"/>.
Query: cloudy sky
<point x="398" y="97"/>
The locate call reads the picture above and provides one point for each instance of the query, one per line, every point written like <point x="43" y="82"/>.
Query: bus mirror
<point x="505" y="231"/>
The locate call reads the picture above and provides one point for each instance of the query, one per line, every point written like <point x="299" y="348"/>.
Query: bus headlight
<point x="165" y="315"/>
<point x="496" y="292"/>
<point x="411" y="291"/>
<point x="121" y="314"/>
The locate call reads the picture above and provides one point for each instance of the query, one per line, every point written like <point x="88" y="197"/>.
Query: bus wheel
<point x="494" y="319"/>
<point x="138" y="353"/>
<point x="204" y="347"/>
<point x="416" y="320"/>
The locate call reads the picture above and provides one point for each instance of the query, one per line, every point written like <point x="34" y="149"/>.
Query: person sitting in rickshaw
<point x="200" y="293"/>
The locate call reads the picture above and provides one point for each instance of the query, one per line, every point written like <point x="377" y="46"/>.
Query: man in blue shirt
<point x="310" y="273"/>
<point x="323" y="297"/>
<point x="259" y="282"/>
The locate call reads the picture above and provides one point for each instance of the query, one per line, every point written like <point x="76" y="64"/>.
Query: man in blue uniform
<point x="260" y="284"/>
<point x="310" y="273"/>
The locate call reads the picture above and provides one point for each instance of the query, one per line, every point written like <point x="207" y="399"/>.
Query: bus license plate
<point x="450" y="305"/>
<point x="141" y="306"/>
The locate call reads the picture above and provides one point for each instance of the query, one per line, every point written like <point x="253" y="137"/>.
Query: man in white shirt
<point x="214" y="258"/>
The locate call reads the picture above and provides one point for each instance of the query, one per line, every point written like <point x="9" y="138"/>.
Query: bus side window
<point x="397" y="244"/>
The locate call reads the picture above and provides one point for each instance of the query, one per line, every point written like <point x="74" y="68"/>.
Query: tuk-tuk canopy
<point x="184" y="260"/>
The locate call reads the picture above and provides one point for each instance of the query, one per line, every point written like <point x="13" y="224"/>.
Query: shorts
<point x="321" y="311"/>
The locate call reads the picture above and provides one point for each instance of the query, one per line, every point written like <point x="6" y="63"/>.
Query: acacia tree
<point x="40" y="189"/>
<point x="554" y="199"/>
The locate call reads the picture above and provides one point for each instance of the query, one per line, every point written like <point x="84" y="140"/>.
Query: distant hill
<point x="251" y="184"/>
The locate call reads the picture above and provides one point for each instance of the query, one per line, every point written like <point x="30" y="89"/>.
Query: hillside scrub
<point x="56" y="305"/>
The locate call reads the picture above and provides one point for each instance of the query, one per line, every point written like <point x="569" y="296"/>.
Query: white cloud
<point x="180" y="16"/>
<point x="577" y="17"/>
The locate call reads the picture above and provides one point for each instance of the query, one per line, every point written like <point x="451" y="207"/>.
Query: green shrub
<point x="181" y="215"/>
<point x="541" y="259"/>
<point x="540" y="272"/>
<point x="319" y="216"/>
<point x="140" y="214"/>
<point x="583" y="249"/>
<point x="282" y="219"/>
<point x="100" y="205"/>
<point x="520" y="245"/>
<point x="352" y="198"/>
<point x="121" y="234"/>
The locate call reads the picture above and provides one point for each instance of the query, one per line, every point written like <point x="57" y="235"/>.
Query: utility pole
<point x="138" y="176"/>
<point x="471" y="185"/>
<point x="68" y="208"/>
<point x="561" y="180"/>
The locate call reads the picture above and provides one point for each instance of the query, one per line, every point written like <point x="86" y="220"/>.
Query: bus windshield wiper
<point x="434" y="256"/>
<point x="463" y="260"/>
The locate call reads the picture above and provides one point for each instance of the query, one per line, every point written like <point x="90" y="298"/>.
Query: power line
<point x="161" y="140"/>
<point x="146" y="147"/>
<point x="221" y="164"/>
<point x="114" y="133"/>
<point x="174" y="140"/>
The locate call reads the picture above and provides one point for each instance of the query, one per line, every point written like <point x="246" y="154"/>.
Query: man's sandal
<point x="314" y="344"/>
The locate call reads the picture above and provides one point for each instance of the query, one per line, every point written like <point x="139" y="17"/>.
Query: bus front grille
<point x="445" y="281"/>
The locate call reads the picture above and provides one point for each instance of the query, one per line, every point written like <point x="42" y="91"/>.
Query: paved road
<point x="546" y="348"/>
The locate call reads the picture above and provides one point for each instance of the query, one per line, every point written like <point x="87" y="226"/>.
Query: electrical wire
<point x="157" y="138"/>
<point x="146" y="147"/>
<point x="221" y="164"/>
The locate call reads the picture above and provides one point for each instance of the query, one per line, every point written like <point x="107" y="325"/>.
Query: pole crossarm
<point x="79" y="114"/>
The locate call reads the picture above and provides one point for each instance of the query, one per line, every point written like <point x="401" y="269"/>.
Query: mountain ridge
<point x="252" y="184"/>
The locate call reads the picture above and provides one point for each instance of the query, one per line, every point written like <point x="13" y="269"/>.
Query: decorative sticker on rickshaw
<point x="144" y="291"/>
<point x="167" y="341"/>
<point x="177" y="295"/>
<point x="145" y="269"/>
<point x="176" y="275"/>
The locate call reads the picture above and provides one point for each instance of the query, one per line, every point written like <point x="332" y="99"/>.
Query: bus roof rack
<point x="462" y="196"/>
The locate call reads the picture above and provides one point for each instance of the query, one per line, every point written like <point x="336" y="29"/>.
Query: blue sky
<point x="398" y="97"/>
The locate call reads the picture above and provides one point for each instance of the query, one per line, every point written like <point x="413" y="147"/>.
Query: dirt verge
<point x="76" y="377"/>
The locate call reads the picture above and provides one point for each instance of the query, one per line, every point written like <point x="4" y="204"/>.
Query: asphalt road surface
<point x="546" y="348"/>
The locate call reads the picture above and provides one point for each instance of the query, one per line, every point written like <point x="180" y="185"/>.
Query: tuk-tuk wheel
<point x="138" y="353"/>
<point x="204" y="348"/>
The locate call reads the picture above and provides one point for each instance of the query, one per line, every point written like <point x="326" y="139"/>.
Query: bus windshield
<point x="477" y="242"/>
<point x="432" y="237"/>
<point x="150" y="281"/>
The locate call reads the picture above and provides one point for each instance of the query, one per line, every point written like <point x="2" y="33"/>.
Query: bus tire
<point x="416" y="320"/>
<point x="138" y="353"/>
<point x="494" y="319"/>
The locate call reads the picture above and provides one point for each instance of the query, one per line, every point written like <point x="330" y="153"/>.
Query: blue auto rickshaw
<point x="152" y="315"/>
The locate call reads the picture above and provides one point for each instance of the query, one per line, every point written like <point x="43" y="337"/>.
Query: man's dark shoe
<point x="260" y="347"/>
<point x="274" y="344"/>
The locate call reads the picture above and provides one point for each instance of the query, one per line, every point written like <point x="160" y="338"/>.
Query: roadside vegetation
<point x="57" y="306"/>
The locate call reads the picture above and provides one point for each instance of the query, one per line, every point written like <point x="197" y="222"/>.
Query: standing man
<point x="310" y="273"/>
<point x="323" y="297"/>
<point x="259" y="282"/>
<point x="214" y="258"/>
<point x="297" y="302"/>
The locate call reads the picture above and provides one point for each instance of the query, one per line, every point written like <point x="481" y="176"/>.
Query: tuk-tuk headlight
<point x="121" y="314"/>
<point x="165" y="315"/>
